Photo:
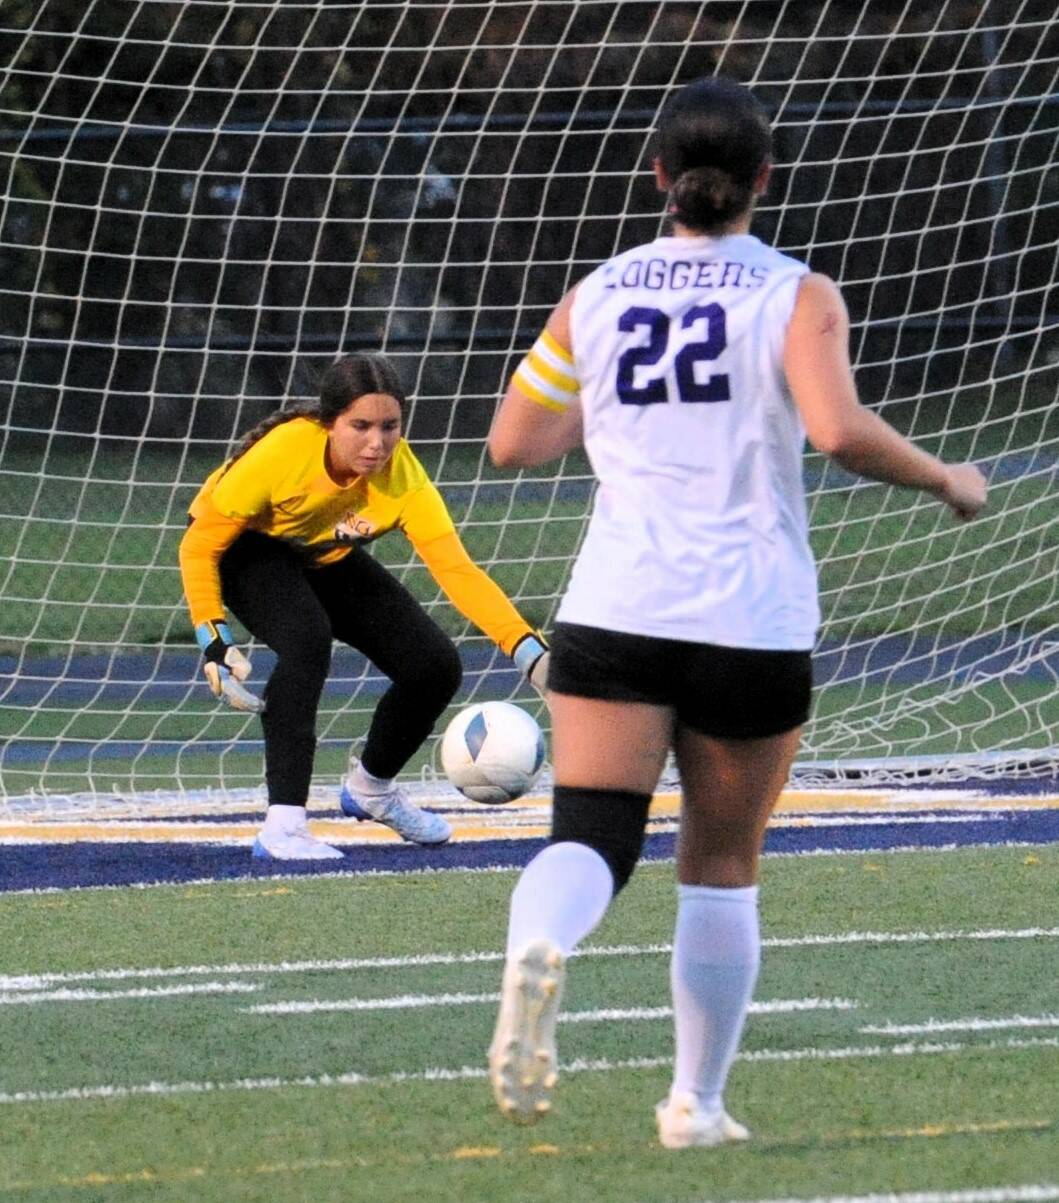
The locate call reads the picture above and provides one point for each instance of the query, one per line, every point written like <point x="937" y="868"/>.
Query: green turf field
<point x="120" y="1091"/>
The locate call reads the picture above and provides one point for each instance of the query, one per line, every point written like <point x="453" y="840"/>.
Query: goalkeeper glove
<point x="531" y="657"/>
<point x="226" y="666"/>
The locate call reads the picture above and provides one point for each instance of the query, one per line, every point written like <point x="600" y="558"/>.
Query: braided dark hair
<point x="342" y="383"/>
<point x="713" y="138"/>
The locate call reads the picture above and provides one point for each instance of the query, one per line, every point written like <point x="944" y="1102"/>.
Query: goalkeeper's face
<point x="363" y="436"/>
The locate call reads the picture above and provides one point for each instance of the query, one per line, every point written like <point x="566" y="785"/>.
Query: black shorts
<point x="728" y="692"/>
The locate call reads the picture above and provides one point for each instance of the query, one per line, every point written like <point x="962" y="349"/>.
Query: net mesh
<point x="203" y="204"/>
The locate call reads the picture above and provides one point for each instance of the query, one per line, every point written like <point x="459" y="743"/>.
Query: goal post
<point x="204" y="203"/>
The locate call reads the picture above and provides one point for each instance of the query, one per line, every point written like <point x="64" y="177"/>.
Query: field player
<point x="691" y="368"/>
<point x="278" y="535"/>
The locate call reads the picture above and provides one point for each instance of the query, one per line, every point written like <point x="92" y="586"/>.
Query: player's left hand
<point x="965" y="490"/>
<point x="531" y="656"/>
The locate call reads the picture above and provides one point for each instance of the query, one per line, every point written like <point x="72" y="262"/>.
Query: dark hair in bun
<point x="713" y="138"/>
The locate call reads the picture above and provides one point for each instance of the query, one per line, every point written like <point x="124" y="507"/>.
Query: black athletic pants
<point x="297" y="611"/>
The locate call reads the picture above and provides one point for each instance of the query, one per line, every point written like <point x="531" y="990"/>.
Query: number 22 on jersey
<point x="709" y="320"/>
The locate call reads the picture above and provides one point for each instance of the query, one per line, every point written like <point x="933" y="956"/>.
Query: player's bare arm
<point x="817" y="366"/>
<point x="525" y="432"/>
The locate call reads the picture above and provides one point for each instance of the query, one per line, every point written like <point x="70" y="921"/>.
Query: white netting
<point x="204" y="203"/>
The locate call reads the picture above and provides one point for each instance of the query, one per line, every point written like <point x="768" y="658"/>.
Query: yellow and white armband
<point x="546" y="375"/>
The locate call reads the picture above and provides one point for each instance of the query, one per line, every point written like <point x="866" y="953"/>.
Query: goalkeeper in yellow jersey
<point x="277" y="536"/>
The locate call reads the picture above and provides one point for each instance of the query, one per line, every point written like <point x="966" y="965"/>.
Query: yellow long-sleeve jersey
<point x="281" y="487"/>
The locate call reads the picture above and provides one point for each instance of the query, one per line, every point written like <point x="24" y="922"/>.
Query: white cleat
<point x="394" y="810"/>
<point x="682" y="1124"/>
<point x="293" y="845"/>
<point x="523" y="1066"/>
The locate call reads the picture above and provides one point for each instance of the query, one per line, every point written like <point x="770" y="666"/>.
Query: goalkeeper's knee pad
<point x="610" y="821"/>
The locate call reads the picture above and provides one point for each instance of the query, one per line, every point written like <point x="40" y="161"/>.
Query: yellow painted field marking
<point x="934" y="1131"/>
<point x="123" y="833"/>
<point x="526" y="818"/>
<point x="491" y="1152"/>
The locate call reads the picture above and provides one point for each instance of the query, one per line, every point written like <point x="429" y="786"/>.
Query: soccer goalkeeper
<point x="278" y="535"/>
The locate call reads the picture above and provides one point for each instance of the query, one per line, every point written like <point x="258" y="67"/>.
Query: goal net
<point x="204" y="203"/>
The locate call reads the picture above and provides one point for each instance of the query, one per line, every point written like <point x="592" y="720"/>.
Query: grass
<point x="981" y="1114"/>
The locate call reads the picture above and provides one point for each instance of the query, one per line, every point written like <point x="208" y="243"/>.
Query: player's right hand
<point x="226" y="667"/>
<point x="965" y="490"/>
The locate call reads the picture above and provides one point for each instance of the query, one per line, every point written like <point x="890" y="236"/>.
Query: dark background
<point x="203" y="204"/>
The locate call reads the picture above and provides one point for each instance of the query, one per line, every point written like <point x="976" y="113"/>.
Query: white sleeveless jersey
<point x="699" y="530"/>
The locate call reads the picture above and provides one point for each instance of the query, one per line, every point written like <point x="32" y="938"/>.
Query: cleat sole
<point x="522" y="1060"/>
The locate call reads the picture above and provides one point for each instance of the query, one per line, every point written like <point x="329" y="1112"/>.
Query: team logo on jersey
<point x="355" y="529"/>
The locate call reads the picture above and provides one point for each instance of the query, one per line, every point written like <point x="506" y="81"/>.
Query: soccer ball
<point x="492" y="752"/>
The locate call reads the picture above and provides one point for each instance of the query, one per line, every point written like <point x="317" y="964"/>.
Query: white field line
<point x="397" y="1002"/>
<point x="23" y="997"/>
<point x="775" y="1006"/>
<point x="468" y="1073"/>
<point x="961" y="1025"/>
<point x="802" y="853"/>
<point x="883" y="820"/>
<point x="1035" y="1192"/>
<point x="898" y="1050"/>
<point x="402" y="1002"/>
<point x="911" y="937"/>
<point x="38" y="981"/>
<point x="500" y="816"/>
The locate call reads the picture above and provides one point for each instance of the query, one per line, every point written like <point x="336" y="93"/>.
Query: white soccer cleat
<point x="682" y="1124"/>
<point x="523" y="1065"/>
<point x="394" y="810"/>
<point x="293" y="845"/>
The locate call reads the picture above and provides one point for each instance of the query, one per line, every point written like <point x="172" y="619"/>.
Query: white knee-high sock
<point x="561" y="896"/>
<point x="716" y="953"/>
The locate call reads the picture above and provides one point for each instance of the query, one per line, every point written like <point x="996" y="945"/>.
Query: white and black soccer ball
<point x="492" y="752"/>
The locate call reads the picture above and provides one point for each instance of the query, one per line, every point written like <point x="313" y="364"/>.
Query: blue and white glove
<point x="226" y="666"/>
<point x="531" y="658"/>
